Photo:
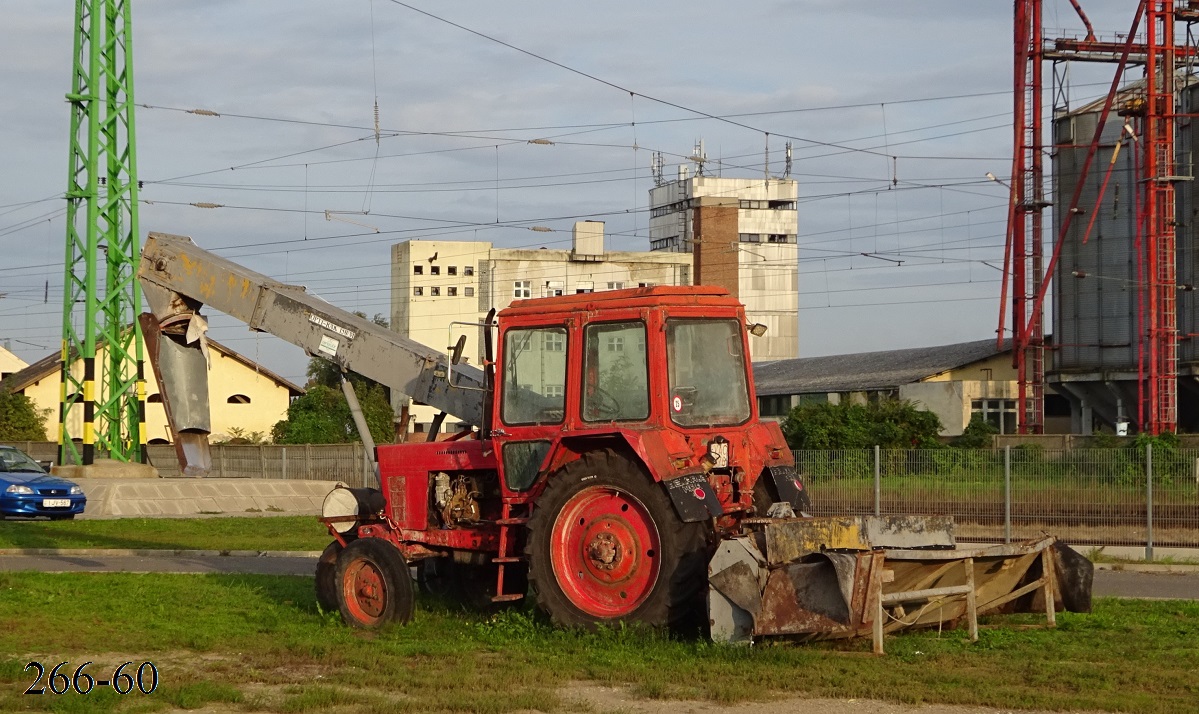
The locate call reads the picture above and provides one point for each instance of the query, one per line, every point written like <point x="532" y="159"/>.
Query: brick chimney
<point x="715" y="239"/>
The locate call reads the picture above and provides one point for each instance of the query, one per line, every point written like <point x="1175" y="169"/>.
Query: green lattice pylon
<point x="103" y="405"/>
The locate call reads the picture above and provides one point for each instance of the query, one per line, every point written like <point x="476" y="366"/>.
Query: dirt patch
<point x="608" y="700"/>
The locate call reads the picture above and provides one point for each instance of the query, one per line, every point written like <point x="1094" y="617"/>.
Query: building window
<point x="554" y="342"/>
<point x="774" y="406"/>
<point x="451" y="291"/>
<point x="469" y="292"/>
<point x="553" y="288"/>
<point x="646" y="285"/>
<point x="616" y="285"/>
<point x="555" y="391"/>
<point x="999" y="413"/>
<point x="238" y="399"/>
<point x="154" y="399"/>
<point x="468" y="270"/>
<point x="522" y="289"/>
<point x="418" y="270"/>
<point x="780" y="238"/>
<point x="782" y="205"/>
<point x="615" y="343"/>
<point x="434" y="270"/>
<point x="750" y="237"/>
<point x="451" y="270"/>
<point x="435" y="291"/>
<point x="418" y="291"/>
<point x="584" y="286"/>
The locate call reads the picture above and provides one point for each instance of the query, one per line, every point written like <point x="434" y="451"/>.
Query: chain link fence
<point x="1128" y="496"/>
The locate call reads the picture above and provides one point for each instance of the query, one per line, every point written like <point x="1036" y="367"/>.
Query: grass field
<point x="266" y="533"/>
<point x="259" y="643"/>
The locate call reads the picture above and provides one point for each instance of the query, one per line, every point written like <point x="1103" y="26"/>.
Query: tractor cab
<point x="659" y="374"/>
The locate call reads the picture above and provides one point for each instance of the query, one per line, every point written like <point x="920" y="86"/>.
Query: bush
<point x="889" y="424"/>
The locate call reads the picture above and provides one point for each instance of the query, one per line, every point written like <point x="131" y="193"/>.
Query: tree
<point x="322" y="416"/>
<point x="20" y="419"/>
<point x="889" y="423"/>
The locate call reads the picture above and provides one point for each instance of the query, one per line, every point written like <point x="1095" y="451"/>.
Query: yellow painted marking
<point x="245" y="287"/>
<point x="89" y="390"/>
<point x="141" y="390"/>
<point x="89" y="433"/>
<point x="141" y="432"/>
<point x="209" y="287"/>
<point x="62" y="392"/>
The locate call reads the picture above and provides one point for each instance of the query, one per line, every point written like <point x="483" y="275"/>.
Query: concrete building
<point x="436" y="284"/>
<point x="743" y="235"/>
<point x="955" y="382"/>
<point x="244" y="395"/>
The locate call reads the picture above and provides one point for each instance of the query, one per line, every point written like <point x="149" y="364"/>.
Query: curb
<point x="152" y="553"/>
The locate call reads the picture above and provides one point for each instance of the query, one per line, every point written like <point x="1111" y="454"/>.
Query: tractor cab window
<point x="706" y="363"/>
<point x="534" y="376"/>
<point x="615" y="381"/>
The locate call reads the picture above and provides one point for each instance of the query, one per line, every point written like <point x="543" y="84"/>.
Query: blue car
<point x="26" y="489"/>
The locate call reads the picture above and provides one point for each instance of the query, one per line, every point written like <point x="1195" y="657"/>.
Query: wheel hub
<point x="604" y="551"/>
<point x="604" y="548"/>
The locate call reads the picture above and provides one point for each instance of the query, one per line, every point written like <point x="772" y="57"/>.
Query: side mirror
<point x="46" y="464"/>
<point x="757" y="329"/>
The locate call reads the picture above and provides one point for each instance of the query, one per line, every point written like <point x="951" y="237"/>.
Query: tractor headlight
<point x="18" y="489"/>
<point x="76" y="491"/>
<point x="718" y="452"/>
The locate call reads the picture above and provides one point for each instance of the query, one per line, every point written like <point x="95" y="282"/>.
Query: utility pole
<point x="103" y="387"/>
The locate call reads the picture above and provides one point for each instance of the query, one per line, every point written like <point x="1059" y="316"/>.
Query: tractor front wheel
<point x="606" y="546"/>
<point x="374" y="586"/>
<point x="326" y="577"/>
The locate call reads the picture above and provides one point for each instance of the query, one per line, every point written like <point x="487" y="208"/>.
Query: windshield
<point x="13" y="460"/>
<point x="707" y="373"/>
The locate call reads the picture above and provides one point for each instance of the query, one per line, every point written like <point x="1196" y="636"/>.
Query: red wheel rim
<point x="605" y="551"/>
<point x="366" y="591"/>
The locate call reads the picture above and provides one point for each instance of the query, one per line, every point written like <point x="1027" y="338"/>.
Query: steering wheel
<point x="601" y="403"/>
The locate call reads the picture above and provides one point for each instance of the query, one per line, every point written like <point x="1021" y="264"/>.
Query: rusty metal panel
<point x="789" y="540"/>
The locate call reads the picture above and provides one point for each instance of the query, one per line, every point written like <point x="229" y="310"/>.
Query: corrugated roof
<point x="866" y="371"/>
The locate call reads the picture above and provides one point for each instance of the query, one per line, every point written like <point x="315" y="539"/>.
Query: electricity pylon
<point x="103" y="405"/>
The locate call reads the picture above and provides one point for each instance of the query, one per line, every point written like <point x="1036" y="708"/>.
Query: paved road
<point x="1108" y="583"/>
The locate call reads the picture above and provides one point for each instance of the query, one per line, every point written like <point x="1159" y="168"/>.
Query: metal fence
<point x="1127" y="496"/>
<point x="305" y="462"/>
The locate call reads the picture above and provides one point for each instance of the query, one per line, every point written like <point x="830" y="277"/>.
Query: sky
<point x="896" y="111"/>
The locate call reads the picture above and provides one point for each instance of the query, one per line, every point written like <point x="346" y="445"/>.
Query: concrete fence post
<point x="262" y="461"/>
<point x="221" y="448"/>
<point x="878" y="482"/>
<point x="1148" y="501"/>
<point x="285" y="463"/>
<point x="308" y="461"/>
<point x="1007" y="493"/>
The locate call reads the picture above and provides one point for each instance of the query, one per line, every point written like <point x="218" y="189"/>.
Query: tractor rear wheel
<point x="374" y="586"/>
<point x="606" y="546"/>
<point x="326" y="577"/>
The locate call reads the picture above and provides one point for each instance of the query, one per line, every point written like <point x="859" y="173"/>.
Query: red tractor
<point x="621" y="440"/>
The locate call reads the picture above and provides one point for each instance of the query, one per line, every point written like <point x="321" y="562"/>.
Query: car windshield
<point x="13" y="460"/>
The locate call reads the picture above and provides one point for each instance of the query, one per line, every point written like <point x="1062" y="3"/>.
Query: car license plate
<point x="56" y="503"/>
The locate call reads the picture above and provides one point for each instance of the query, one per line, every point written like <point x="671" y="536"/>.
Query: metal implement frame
<point x="102" y="197"/>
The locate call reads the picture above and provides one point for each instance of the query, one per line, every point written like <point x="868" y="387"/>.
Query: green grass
<point x="274" y="533"/>
<point x="259" y="643"/>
